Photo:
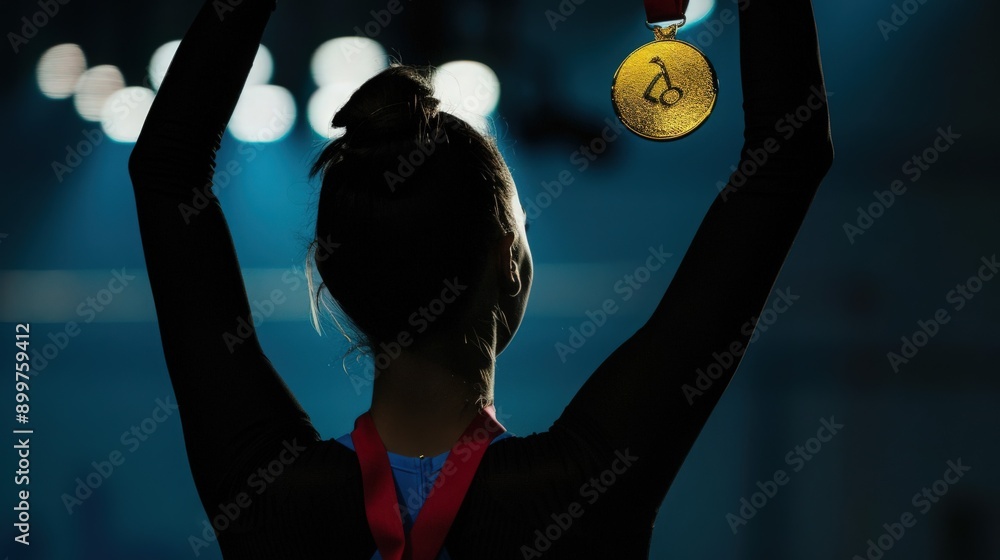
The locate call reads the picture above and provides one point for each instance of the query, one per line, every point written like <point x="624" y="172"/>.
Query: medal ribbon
<point x="438" y="512"/>
<point x="665" y="10"/>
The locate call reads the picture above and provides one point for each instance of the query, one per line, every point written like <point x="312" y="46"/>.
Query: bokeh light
<point x="260" y="73"/>
<point x="59" y="69"/>
<point x="468" y="89"/>
<point x="262" y="69"/>
<point x="324" y="104"/>
<point x="160" y="62"/>
<point x="699" y="10"/>
<point x="264" y="113"/>
<point x="93" y="89"/>
<point x="124" y="112"/>
<point x="348" y="60"/>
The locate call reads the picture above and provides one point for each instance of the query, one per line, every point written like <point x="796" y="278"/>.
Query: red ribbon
<point x="438" y="512"/>
<point x="658" y="11"/>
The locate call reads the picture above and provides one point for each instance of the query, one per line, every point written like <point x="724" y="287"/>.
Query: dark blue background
<point x="825" y="357"/>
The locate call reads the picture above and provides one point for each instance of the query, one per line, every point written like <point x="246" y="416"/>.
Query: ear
<point x="508" y="272"/>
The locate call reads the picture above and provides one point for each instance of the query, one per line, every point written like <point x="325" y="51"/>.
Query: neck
<point x="422" y="406"/>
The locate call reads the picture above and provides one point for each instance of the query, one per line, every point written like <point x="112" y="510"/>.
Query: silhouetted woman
<point x="437" y="266"/>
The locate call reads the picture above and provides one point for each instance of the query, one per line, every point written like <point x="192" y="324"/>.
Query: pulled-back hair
<point x="412" y="200"/>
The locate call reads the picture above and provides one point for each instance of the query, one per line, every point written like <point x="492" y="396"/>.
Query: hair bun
<point x="396" y="102"/>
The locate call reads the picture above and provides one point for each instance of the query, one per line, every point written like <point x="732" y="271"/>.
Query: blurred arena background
<point x="899" y="231"/>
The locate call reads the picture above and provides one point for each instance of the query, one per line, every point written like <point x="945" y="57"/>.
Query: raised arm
<point x="234" y="408"/>
<point x="637" y="398"/>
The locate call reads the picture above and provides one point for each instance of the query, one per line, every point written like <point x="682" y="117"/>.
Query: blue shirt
<point x="414" y="479"/>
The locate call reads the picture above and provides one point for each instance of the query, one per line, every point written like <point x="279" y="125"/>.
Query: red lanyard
<point x="438" y="512"/>
<point x="658" y="11"/>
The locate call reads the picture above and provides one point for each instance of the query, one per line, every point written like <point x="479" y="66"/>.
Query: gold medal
<point x="666" y="89"/>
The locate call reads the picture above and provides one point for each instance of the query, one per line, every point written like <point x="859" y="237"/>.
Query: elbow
<point x="151" y="157"/>
<point x="168" y="153"/>
<point x="814" y="160"/>
<point x="149" y="150"/>
<point x="809" y="151"/>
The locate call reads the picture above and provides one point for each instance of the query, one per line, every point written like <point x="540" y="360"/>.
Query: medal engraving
<point x="664" y="90"/>
<point x="674" y="93"/>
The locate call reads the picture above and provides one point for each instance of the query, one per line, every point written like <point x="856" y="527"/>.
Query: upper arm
<point x="231" y="400"/>
<point x="650" y="394"/>
<point x="233" y="405"/>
